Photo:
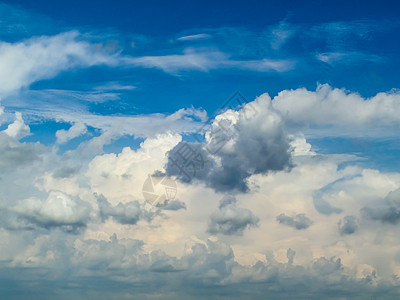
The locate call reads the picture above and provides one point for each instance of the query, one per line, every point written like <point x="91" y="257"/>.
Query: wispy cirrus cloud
<point x="206" y="60"/>
<point x="194" y="37"/>
<point x="38" y="58"/>
<point x="348" y="57"/>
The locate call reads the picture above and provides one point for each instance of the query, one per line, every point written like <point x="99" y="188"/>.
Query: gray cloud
<point x="208" y="270"/>
<point x="123" y="213"/>
<point x="14" y="154"/>
<point x="386" y="211"/>
<point x="290" y="254"/>
<point x="59" y="210"/>
<point x="174" y="205"/>
<point x="237" y="145"/>
<point x="348" y="225"/>
<point x="323" y="207"/>
<point x="65" y="172"/>
<point x="299" y="221"/>
<point x="385" y="214"/>
<point x="231" y="220"/>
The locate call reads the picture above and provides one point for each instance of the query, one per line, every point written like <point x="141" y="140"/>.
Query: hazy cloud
<point x="123" y="213"/>
<point x="348" y="225"/>
<point x="59" y="210"/>
<point x="231" y="220"/>
<point x="299" y="221"/>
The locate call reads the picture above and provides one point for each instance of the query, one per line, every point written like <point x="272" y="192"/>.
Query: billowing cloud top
<point x="112" y="188"/>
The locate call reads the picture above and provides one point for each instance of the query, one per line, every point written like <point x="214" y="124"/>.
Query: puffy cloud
<point x="231" y="220"/>
<point x="57" y="211"/>
<point x="386" y="211"/>
<point x="323" y="206"/>
<point x="299" y="221"/>
<point x="129" y="169"/>
<point x="338" y="112"/>
<point x="348" y="225"/>
<point x="205" y="264"/>
<point x="14" y="154"/>
<point x="290" y="254"/>
<point x="123" y="213"/>
<point x="174" y="205"/>
<point x="74" y="131"/>
<point x="18" y="129"/>
<point x="239" y="144"/>
<point x="385" y="214"/>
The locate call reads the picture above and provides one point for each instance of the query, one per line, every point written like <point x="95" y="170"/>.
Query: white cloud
<point x="281" y="34"/>
<point x="205" y="61"/>
<point x="238" y="144"/>
<point x="129" y="169"/>
<point x="1" y="113"/>
<point x="27" y="61"/>
<point x="14" y="154"/>
<point x="338" y="112"/>
<point x="18" y="129"/>
<point x="58" y="210"/>
<point x="194" y="37"/>
<point x="74" y="131"/>
<point x="347" y="57"/>
<point x="148" y="244"/>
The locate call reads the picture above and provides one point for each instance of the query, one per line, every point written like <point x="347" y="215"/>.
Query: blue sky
<point x="343" y="45"/>
<point x="296" y="189"/>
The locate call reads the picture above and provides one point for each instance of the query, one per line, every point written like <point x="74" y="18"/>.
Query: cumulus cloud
<point x="385" y="214"/>
<point x="290" y="254"/>
<point x="206" y="265"/>
<point x="339" y="112"/>
<point x="386" y="211"/>
<point x="231" y="220"/>
<point x="14" y="154"/>
<point x="298" y="221"/>
<point x="59" y="210"/>
<point x="323" y="206"/>
<point x="348" y="225"/>
<point x="174" y="205"/>
<point x="237" y="145"/>
<point x="18" y="129"/>
<point x="123" y="213"/>
<point x="74" y="131"/>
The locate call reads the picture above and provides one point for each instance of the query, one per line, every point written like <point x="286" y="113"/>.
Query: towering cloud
<point x="237" y="144"/>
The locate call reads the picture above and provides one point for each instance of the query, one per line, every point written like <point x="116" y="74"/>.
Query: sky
<point x="199" y="150"/>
